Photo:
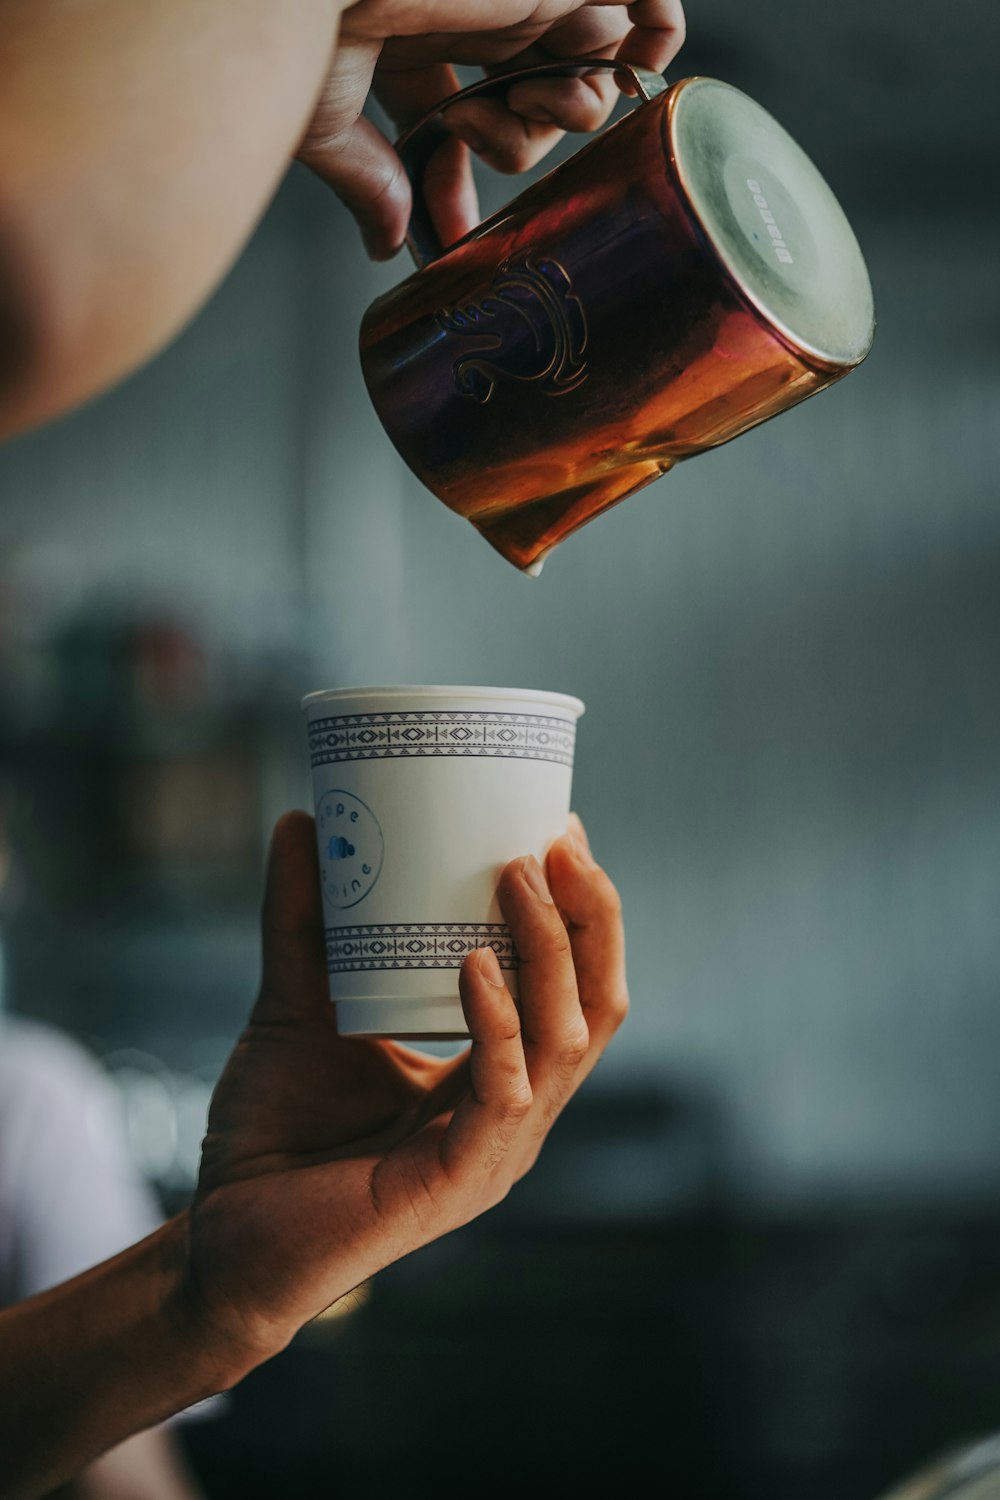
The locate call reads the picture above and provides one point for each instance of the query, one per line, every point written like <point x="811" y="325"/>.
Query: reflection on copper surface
<point x="677" y="360"/>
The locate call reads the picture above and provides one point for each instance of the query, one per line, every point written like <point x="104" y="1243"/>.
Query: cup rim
<point x="420" y="691"/>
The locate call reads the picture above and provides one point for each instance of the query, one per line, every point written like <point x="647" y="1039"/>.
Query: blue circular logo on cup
<point x="350" y="848"/>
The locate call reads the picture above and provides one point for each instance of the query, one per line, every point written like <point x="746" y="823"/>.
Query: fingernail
<point x="532" y="872"/>
<point x="581" y="844"/>
<point x="489" y="967"/>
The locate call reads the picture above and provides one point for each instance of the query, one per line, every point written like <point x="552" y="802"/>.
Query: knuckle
<point x="499" y="1148"/>
<point x="499" y="1188"/>
<point x="518" y="1102"/>
<point x="554" y="943"/>
<point x="519" y="159"/>
<point x="559" y="942"/>
<point x="529" y="1161"/>
<point x="610" y="900"/>
<point x="553" y="1109"/>
<point x="597" y="103"/>
<point x="510" y="1032"/>
<point x="553" y="934"/>
<point x="617" y="1008"/>
<point x="574" y="1046"/>
<point x="504" y="155"/>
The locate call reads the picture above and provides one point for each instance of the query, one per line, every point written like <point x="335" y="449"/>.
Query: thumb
<point x="294" y="979"/>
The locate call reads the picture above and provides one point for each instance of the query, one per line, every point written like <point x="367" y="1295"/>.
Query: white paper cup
<point x="422" y="795"/>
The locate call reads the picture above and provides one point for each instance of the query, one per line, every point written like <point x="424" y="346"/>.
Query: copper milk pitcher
<point x="684" y="276"/>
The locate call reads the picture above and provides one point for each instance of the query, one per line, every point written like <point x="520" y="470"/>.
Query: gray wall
<point x="789" y="648"/>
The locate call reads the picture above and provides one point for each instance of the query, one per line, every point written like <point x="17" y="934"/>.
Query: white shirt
<point x="69" y="1196"/>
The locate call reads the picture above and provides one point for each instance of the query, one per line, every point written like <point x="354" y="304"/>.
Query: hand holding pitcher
<point x="685" y="276"/>
<point x="404" y="54"/>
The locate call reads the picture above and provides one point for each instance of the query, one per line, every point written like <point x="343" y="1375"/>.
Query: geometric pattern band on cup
<point x="391" y="736"/>
<point x="415" y="945"/>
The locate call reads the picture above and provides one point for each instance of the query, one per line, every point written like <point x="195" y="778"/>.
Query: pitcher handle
<point x="417" y="145"/>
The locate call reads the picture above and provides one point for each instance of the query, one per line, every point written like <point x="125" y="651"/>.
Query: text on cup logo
<point x="781" y="250"/>
<point x="351" y="847"/>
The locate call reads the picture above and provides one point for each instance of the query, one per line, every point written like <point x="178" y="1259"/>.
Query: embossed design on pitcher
<point x="532" y="328"/>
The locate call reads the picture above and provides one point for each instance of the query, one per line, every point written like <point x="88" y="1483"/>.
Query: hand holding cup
<point x="327" y="1157"/>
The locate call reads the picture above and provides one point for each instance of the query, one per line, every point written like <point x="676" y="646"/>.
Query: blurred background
<point x="761" y="1255"/>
